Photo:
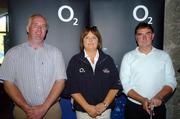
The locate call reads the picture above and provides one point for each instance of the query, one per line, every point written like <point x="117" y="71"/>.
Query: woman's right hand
<point x="91" y="110"/>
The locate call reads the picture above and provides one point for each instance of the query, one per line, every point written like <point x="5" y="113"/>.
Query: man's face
<point x="37" y="29"/>
<point x="144" y="37"/>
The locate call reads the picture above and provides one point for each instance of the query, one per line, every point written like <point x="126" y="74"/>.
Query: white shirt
<point x="95" y="59"/>
<point x="147" y="74"/>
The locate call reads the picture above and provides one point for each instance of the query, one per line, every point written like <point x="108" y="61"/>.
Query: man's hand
<point x="37" y="112"/>
<point x="156" y="101"/>
<point x="146" y="105"/>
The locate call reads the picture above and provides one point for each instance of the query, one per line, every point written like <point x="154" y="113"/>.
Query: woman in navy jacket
<point x="93" y="79"/>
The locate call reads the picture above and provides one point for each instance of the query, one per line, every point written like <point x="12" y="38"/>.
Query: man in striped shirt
<point x="34" y="73"/>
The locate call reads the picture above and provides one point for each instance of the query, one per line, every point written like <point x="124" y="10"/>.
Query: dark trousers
<point x="135" y="111"/>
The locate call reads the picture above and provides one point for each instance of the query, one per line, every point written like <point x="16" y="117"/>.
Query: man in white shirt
<point x="147" y="77"/>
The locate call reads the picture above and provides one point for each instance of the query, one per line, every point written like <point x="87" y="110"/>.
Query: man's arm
<point x="157" y="100"/>
<point x="54" y="93"/>
<point x="170" y="83"/>
<point x="40" y="110"/>
<point x="143" y="100"/>
<point x="16" y="95"/>
<point x="125" y="74"/>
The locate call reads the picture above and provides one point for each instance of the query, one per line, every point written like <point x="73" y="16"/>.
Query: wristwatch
<point x="105" y="104"/>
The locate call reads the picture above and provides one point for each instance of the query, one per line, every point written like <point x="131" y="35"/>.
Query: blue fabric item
<point x="119" y="109"/>
<point x="66" y="106"/>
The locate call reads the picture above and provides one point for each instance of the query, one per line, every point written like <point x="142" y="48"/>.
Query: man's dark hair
<point x="144" y="25"/>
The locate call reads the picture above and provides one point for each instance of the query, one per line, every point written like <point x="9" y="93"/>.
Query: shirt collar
<point x="29" y="46"/>
<point x="152" y="50"/>
<point x="86" y="55"/>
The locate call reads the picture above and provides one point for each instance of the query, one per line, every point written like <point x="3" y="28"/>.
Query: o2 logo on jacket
<point x="146" y="14"/>
<point x="71" y="16"/>
<point x="81" y="70"/>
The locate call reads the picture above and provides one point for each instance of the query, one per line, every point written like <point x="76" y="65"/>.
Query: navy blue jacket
<point x="93" y="86"/>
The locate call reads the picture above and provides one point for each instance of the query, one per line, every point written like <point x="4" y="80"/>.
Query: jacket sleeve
<point x="72" y="79"/>
<point x="116" y="83"/>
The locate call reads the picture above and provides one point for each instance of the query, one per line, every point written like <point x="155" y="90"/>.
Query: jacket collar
<point x="102" y="57"/>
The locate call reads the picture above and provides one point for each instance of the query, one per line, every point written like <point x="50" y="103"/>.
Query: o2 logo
<point x="71" y="16"/>
<point x="146" y="14"/>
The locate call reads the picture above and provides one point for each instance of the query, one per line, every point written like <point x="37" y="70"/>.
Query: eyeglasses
<point x="36" y="26"/>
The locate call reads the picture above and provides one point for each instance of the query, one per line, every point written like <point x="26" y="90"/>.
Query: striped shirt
<point x="33" y="71"/>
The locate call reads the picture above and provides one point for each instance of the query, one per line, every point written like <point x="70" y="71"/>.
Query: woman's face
<point x="90" y="41"/>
